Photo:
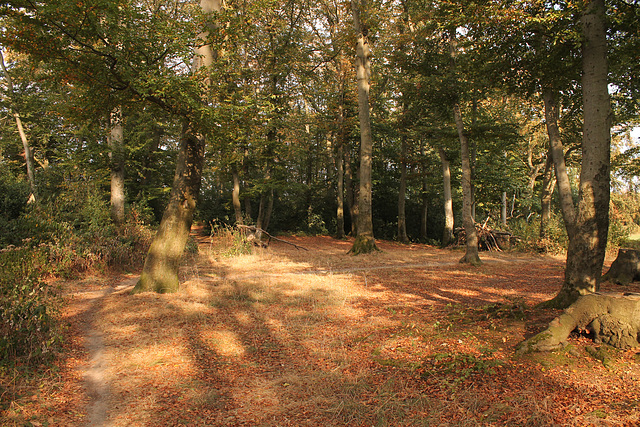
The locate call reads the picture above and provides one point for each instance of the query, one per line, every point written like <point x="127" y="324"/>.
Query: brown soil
<point x="287" y="337"/>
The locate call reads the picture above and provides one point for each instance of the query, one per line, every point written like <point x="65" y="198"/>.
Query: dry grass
<point x="282" y="337"/>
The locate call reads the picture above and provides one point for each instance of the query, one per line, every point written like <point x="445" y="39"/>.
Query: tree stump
<point x="613" y="320"/>
<point x="626" y="267"/>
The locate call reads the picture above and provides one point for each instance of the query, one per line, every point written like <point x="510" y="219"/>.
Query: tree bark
<point x="556" y="149"/>
<point x="625" y="268"/>
<point x="160" y="271"/>
<point x="425" y="202"/>
<point x="546" y="194"/>
<point x="614" y="320"/>
<point x="588" y="239"/>
<point x="351" y="197"/>
<point x="340" y="191"/>
<point x="447" y="233"/>
<point x="365" y="241"/>
<point x="116" y="157"/>
<point x="471" y="256"/>
<point x="402" y="194"/>
<point x="235" y="196"/>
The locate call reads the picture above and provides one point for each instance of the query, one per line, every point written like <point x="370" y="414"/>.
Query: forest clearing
<point x="286" y="337"/>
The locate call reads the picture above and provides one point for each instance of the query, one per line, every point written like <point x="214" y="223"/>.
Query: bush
<point x="229" y="241"/>
<point x="555" y="240"/>
<point x="29" y="327"/>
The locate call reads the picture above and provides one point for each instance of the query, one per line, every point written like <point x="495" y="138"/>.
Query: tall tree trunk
<point x="28" y="155"/>
<point x="402" y="192"/>
<point x="546" y="194"/>
<point x="340" y="191"/>
<point x="587" y="242"/>
<point x="351" y="197"/>
<point x="503" y="213"/>
<point x="365" y="241"/>
<point x="425" y="196"/>
<point x="235" y="196"/>
<point x="116" y="157"/>
<point x="447" y="233"/>
<point x="268" y="211"/>
<point x="552" y="117"/>
<point x="160" y="271"/>
<point x="471" y="255"/>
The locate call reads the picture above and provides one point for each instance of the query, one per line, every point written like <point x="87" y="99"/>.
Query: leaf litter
<point x="281" y="337"/>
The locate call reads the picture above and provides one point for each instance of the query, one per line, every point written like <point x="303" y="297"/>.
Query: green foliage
<point x="555" y="240"/>
<point x="13" y="197"/>
<point x="29" y="327"/>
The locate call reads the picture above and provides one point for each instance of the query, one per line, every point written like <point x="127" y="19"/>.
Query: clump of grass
<point x="228" y="241"/>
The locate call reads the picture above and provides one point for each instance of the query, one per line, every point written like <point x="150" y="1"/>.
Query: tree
<point x="23" y="136"/>
<point x="160" y="271"/>
<point x="365" y="241"/>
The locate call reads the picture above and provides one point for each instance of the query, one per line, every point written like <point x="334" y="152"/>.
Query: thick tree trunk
<point x="116" y="156"/>
<point x="160" y="272"/>
<point x="588" y="240"/>
<point x="402" y="191"/>
<point x="503" y="212"/>
<point x="625" y="268"/>
<point x="546" y="194"/>
<point x="447" y="233"/>
<point x="365" y="241"/>
<point x="613" y="320"/>
<point x="471" y="256"/>
<point x="235" y="196"/>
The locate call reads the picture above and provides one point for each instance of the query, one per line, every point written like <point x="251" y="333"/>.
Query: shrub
<point x="554" y="241"/>
<point x="229" y="241"/>
<point x="29" y="327"/>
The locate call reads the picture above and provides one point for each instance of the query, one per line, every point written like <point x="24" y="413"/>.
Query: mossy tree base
<point x="613" y="320"/>
<point x="471" y="258"/>
<point x="363" y="245"/>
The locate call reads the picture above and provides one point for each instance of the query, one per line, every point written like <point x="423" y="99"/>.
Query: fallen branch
<point x="255" y="230"/>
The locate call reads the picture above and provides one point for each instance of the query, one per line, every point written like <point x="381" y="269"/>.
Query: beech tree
<point x="365" y="241"/>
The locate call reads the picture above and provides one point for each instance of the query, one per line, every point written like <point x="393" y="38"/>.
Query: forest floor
<point x="288" y="337"/>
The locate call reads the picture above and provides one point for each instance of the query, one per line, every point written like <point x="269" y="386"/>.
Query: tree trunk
<point x="425" y="205"/>
<point x="116" y="156"/>
<point x="625" y="268"/>
<point x="546" y="194"/>
<point x="503" y="213"/>
<point x="471" y="256"/>
<point x="268" y="211"/>
<point x="402" y="191"/>
<point x="235" y="196"/>
<point x="552" y="115"/>
<point x="340" y="191"/>
<point x="351" y="197"/>
<point x="447" y="233"/>
<point x="28" y="155"/>
<point x="588" y="241"/>
<point x="160" y="271"/>
<point x="365" y="241"/>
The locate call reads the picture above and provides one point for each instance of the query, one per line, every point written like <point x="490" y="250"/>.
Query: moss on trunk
<point x="363" y="244"/>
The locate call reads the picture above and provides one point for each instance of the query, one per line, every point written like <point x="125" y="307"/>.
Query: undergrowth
<point x="229" y="241"/>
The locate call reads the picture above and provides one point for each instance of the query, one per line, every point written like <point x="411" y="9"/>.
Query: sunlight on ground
<point x="275" y="338"/>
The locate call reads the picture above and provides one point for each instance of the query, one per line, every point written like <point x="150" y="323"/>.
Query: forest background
<point x="99" y="99"/>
